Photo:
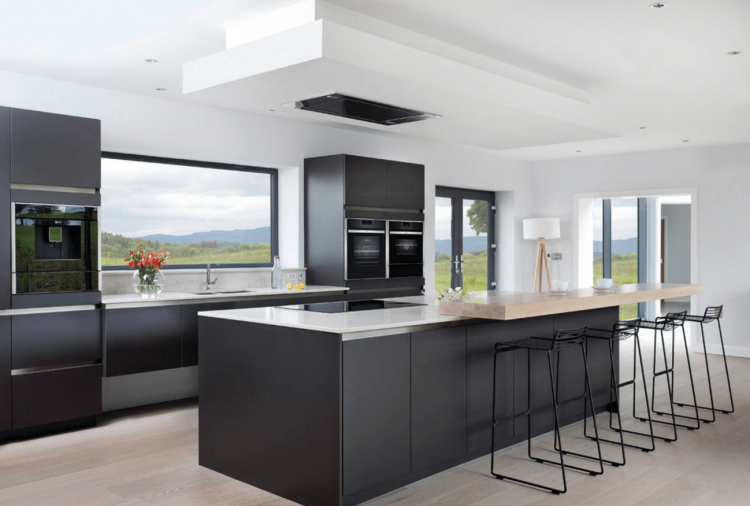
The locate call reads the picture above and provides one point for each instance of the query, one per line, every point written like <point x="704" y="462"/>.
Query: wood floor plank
<point x="148" y="456"/>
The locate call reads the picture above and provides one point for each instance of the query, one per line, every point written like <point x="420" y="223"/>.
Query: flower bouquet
<point x="148" y="280"/>
<point x="457" y="294"/>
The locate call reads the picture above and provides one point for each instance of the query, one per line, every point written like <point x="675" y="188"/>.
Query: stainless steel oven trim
<point x="346" y="248"/>
<point x="13" y="247"/>
<point x="406" y="233"/>
<point x="387" y="251"/>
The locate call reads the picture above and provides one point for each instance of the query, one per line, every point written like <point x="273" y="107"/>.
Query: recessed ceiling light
<point x="161" y="89"/>
<point x="151" y="60"/>
<point x="734" y="53"/>
<point x="658" y="5"/>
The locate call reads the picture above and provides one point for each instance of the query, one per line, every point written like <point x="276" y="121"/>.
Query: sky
<point x="443" y="218"/>
<point x="140" y="199"/>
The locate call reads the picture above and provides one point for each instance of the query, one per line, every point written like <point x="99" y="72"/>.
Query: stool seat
<point x="539" y="343"/>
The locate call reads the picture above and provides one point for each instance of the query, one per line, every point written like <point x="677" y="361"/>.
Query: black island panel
<point x="270" y="402"/>
<point x="377" y="411"/>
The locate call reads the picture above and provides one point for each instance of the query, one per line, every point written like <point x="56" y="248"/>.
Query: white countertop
<point x="173" y="298"/>
<point x="350" y="325"/>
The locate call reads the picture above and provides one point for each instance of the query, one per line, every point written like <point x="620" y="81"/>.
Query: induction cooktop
<point x="353" y="305"/>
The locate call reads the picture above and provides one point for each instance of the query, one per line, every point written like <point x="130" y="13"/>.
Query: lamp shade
<point x="534" y="228"/>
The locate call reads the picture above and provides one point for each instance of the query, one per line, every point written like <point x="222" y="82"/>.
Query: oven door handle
<point x="365" y="231"/>
<point x="406" y="233"/>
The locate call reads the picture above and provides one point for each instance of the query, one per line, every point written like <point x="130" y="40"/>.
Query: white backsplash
<point x="194" y="280"/>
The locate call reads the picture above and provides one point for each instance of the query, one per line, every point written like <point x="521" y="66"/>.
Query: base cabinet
<point x="53" y="396"/>
<point x="438" y="391"/>
<point x="5" y="378"/>
<point x="142" y="340"/>
<point x="480" y="343"/>
<point x="377" y="411"/>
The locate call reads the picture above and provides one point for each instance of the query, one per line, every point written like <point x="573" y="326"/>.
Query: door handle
<point x="459" y="264"/>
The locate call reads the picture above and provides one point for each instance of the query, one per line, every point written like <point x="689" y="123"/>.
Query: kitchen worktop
<point x="172" y="298"/>
<point x="351" y="325"/>
<point x="511" y="306"/>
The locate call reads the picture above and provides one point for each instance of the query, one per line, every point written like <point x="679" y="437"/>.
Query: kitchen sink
<point x="223" y="292"/>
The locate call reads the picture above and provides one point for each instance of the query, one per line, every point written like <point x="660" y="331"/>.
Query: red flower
<point x="131" y="264"/>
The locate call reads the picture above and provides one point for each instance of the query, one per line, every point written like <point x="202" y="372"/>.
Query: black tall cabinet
<point x="50" y="361"/>
<point x="338" y="187"/>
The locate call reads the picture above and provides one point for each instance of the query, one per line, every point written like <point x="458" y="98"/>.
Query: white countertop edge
<point x="49" y="309"/>
<point x="350" y="333"/>
<point x="175" y="298"/>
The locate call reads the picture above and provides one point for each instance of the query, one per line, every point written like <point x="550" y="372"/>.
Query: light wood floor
<point x="149" y="456"/>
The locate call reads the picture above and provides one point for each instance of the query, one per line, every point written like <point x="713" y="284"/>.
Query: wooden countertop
<point x="512" y="306"/>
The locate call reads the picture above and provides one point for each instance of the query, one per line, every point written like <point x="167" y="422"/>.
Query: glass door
<point x="464" y="239"/>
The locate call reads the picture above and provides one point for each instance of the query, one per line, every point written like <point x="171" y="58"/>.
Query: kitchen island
<point x="335" y="409"/>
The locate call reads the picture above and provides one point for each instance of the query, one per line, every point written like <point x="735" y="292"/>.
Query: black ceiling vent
<point x="364" y="110"/>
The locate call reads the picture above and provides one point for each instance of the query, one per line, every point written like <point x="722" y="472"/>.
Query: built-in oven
<point x="366" y="249"/>
<point x="55" y="248"/>
<point x="405" y="239"/>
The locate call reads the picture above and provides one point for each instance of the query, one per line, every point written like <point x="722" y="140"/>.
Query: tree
<point x="477" y="215"/>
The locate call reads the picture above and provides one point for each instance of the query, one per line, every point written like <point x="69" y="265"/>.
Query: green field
<point x="624" y="272"/>
<point x="116" y="247"/>
<point x="475" y="272"/>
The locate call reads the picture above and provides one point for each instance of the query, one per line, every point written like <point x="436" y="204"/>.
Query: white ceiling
<point x="667" y="70"/>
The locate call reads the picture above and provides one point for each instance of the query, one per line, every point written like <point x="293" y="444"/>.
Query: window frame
<point x="274" y="173"/>
<point x="457" y="196"/>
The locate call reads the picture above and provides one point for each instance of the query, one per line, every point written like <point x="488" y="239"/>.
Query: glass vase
<point x="148" y="285"/>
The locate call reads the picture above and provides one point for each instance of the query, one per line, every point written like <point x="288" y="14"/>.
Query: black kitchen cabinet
<point x="5" y="212"/>
<point x="365" y="182"/>
<point x="142" y="340"/>
<point x="481" y="341"/>
<point x="541" y="393"/>
<point x="438" y="390"/>
<point x="5" y="378"/>
<point x="41" y="398"/>
<point x="340" y="187"/>
<point x="50" y="339"/>
<point x="189" y="328"/>
<point x="55" y="149"/>
<point x="376" y="422"/>
<point x="405" y="185"/>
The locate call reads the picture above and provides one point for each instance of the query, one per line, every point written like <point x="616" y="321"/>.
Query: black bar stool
<point x="562" y="338"/>
<point x="712" y="313"/>
<point x="670" y="322"/>
<point x="623" y="330"/>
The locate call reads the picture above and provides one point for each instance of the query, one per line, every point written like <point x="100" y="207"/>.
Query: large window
<point x="199" y="212"/>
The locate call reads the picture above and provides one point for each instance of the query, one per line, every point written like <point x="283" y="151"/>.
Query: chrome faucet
<point x="208" y="276"/>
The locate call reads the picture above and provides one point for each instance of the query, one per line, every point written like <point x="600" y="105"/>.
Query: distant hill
<point x="474" y="243"/>
<point x="471" y="243"/>
<point x="223" y="237"/>
<point x="619" y="246"/>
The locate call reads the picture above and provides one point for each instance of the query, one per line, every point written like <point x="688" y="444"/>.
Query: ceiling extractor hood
<point x="360" y="109"/>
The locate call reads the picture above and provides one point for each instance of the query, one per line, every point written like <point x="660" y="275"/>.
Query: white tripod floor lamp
<point x="541" y="229"/>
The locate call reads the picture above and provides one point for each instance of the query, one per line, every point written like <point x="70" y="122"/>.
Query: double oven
<point x="381" y="249"/>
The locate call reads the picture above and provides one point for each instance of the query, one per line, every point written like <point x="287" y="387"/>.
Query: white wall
<point x="722" y="178"/>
